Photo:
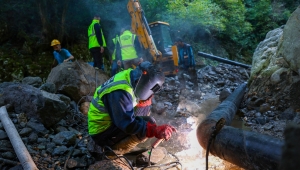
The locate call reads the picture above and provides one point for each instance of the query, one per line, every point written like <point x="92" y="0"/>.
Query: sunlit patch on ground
<point x="184" y="143"/>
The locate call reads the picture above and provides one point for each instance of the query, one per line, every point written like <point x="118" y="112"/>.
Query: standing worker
<point x="96" y="42"/>
<point x="186" y="55"/>
<point x="115" y="64"/>
<point x="111" y="118"/>
<point x="128" y="49"/>
<point x="60" y="54"/>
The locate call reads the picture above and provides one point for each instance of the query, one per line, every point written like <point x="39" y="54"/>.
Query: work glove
<point x="160" y="132"/>
<point x="144" y="103"/>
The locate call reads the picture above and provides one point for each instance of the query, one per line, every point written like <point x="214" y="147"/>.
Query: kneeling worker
<point x="111" y="118"/>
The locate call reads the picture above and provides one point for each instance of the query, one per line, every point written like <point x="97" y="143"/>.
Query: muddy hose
<point x="246" y="149"/>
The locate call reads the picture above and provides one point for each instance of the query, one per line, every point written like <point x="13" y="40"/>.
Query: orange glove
<point x="144" y="103"/>
<point x="160" y="132"/>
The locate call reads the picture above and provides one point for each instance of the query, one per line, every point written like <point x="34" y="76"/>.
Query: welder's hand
<point x="144" y="103"/>
<point x="101" y="49"/>
<point x="160" y="132"/>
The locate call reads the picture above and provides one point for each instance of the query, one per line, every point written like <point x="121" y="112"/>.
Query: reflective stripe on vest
<point x="126" y="41"/>
<point x="95" y="100"/>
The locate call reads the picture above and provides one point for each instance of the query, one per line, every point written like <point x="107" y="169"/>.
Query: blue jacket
<point x="186" y="56"/>
<point x="61" y="55"/>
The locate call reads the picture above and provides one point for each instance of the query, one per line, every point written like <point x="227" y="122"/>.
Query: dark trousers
<point x="113" y="134"/>
<point x="98" y="57"/>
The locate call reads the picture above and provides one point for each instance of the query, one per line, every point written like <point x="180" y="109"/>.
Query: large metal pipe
<point x="246" y="149"/>
<point x="18" y="145"/>
<point x="223" y="60"/>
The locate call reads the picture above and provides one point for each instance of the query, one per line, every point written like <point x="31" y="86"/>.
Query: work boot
<point x="127" y="144"/>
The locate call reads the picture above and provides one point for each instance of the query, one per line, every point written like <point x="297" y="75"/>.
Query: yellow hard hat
<point x="54" y="42"/>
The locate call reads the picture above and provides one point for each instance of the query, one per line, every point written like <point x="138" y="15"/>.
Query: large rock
<point x="54" y="109"/>
<point x="23" y="98"/>
<point x="76" y="79"/>
<point x="34" y="81"/>
<point x="276" y="66"/>
<point x="48" y="108"/>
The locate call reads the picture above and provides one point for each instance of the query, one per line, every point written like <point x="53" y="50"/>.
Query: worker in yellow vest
<point x="115" y="64"/>
<point x="128" y="49"/>
<point x="112" y="120"/>
<point x="96" y="42"/>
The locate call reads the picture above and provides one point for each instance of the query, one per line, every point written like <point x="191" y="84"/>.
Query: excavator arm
<point x="166" y="55"/>
<point x="140" y="27"/>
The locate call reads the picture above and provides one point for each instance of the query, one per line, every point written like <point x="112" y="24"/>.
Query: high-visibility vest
<point x="92" y="35"/>
<point x="98" y="117"/>
<point x="113" y="56"/>
<point x="126" y="41"/>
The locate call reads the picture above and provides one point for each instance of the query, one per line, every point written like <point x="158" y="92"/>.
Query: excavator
<point x="155" y="39"/>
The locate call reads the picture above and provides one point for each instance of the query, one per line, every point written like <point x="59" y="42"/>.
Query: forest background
<point x="227" y="28"/>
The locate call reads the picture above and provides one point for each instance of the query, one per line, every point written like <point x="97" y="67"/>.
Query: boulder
<point x="46" y="107"/>
<point x="55" y="108"/>
<point x="276" y="66"/>
<point x="34" y="81"/>
<point x="76" y="79"/>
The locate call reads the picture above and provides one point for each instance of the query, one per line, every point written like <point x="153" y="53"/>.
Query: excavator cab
<point x="163" y="42"/>
<point x="161" y="37"/>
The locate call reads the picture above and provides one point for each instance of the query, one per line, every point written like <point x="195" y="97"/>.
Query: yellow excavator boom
<point x="140" y="27"/>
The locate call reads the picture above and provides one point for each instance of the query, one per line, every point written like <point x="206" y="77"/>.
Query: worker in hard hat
<point x="60" y="54"/>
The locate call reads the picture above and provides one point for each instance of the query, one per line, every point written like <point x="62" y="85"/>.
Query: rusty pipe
<point x="246" y="149"/>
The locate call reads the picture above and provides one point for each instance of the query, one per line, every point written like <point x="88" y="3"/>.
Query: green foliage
<point x="196" y="13"/>
<point x="154" y="10"/>
<point x="227" y="28"/>
<point x="213" y="21"/>
<point x="233" y="13"/>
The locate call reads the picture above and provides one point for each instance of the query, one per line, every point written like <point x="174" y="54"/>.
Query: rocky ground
<point x="184" y="102"/>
